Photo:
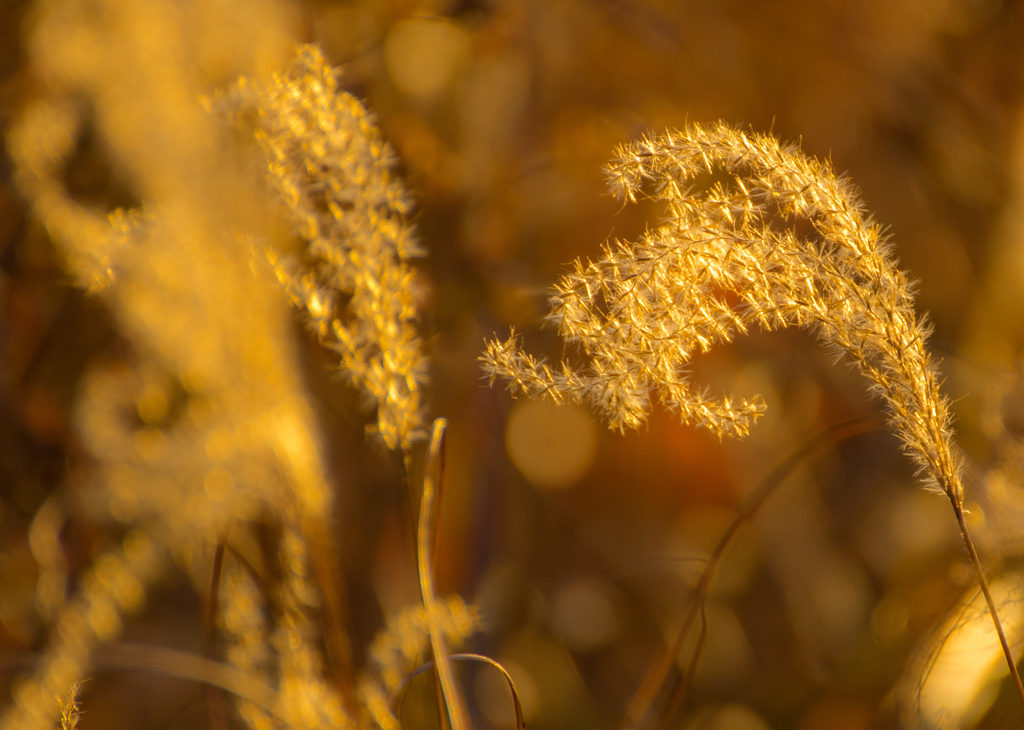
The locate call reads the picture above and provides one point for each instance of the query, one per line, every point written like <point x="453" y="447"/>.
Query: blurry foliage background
<point x="579" y="544"/>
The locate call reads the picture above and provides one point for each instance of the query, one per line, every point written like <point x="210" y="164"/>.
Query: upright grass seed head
<point x="333" y="173"/>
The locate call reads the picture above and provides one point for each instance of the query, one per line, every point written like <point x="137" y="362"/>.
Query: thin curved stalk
<point x="657" y="674"/>
<point x="426" y="534"/>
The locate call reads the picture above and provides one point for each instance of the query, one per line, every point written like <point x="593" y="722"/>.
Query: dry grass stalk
<point x="426" y="535"/>
<point x="758" y="234"/>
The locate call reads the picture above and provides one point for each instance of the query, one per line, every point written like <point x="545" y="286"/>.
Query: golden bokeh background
<point x="582" y="546"/>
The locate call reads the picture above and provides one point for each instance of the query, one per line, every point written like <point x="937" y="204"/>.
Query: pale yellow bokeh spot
<point x="423" y="54"/>
<point x="218" y="484"/>
<point x="29" y="695"/>
<point x="734" y="717"/>
<point x="138" y="548"/>
<point x="552" y="446"/>
<point x="152" y="404"/>
<point x="220" y="444"/>
<point x="584" y="616"/>
<point x="150" y="444"/>
<point x="103" y="619"/>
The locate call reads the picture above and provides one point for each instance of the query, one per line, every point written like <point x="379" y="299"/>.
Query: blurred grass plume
<point x="205" y="430"/>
